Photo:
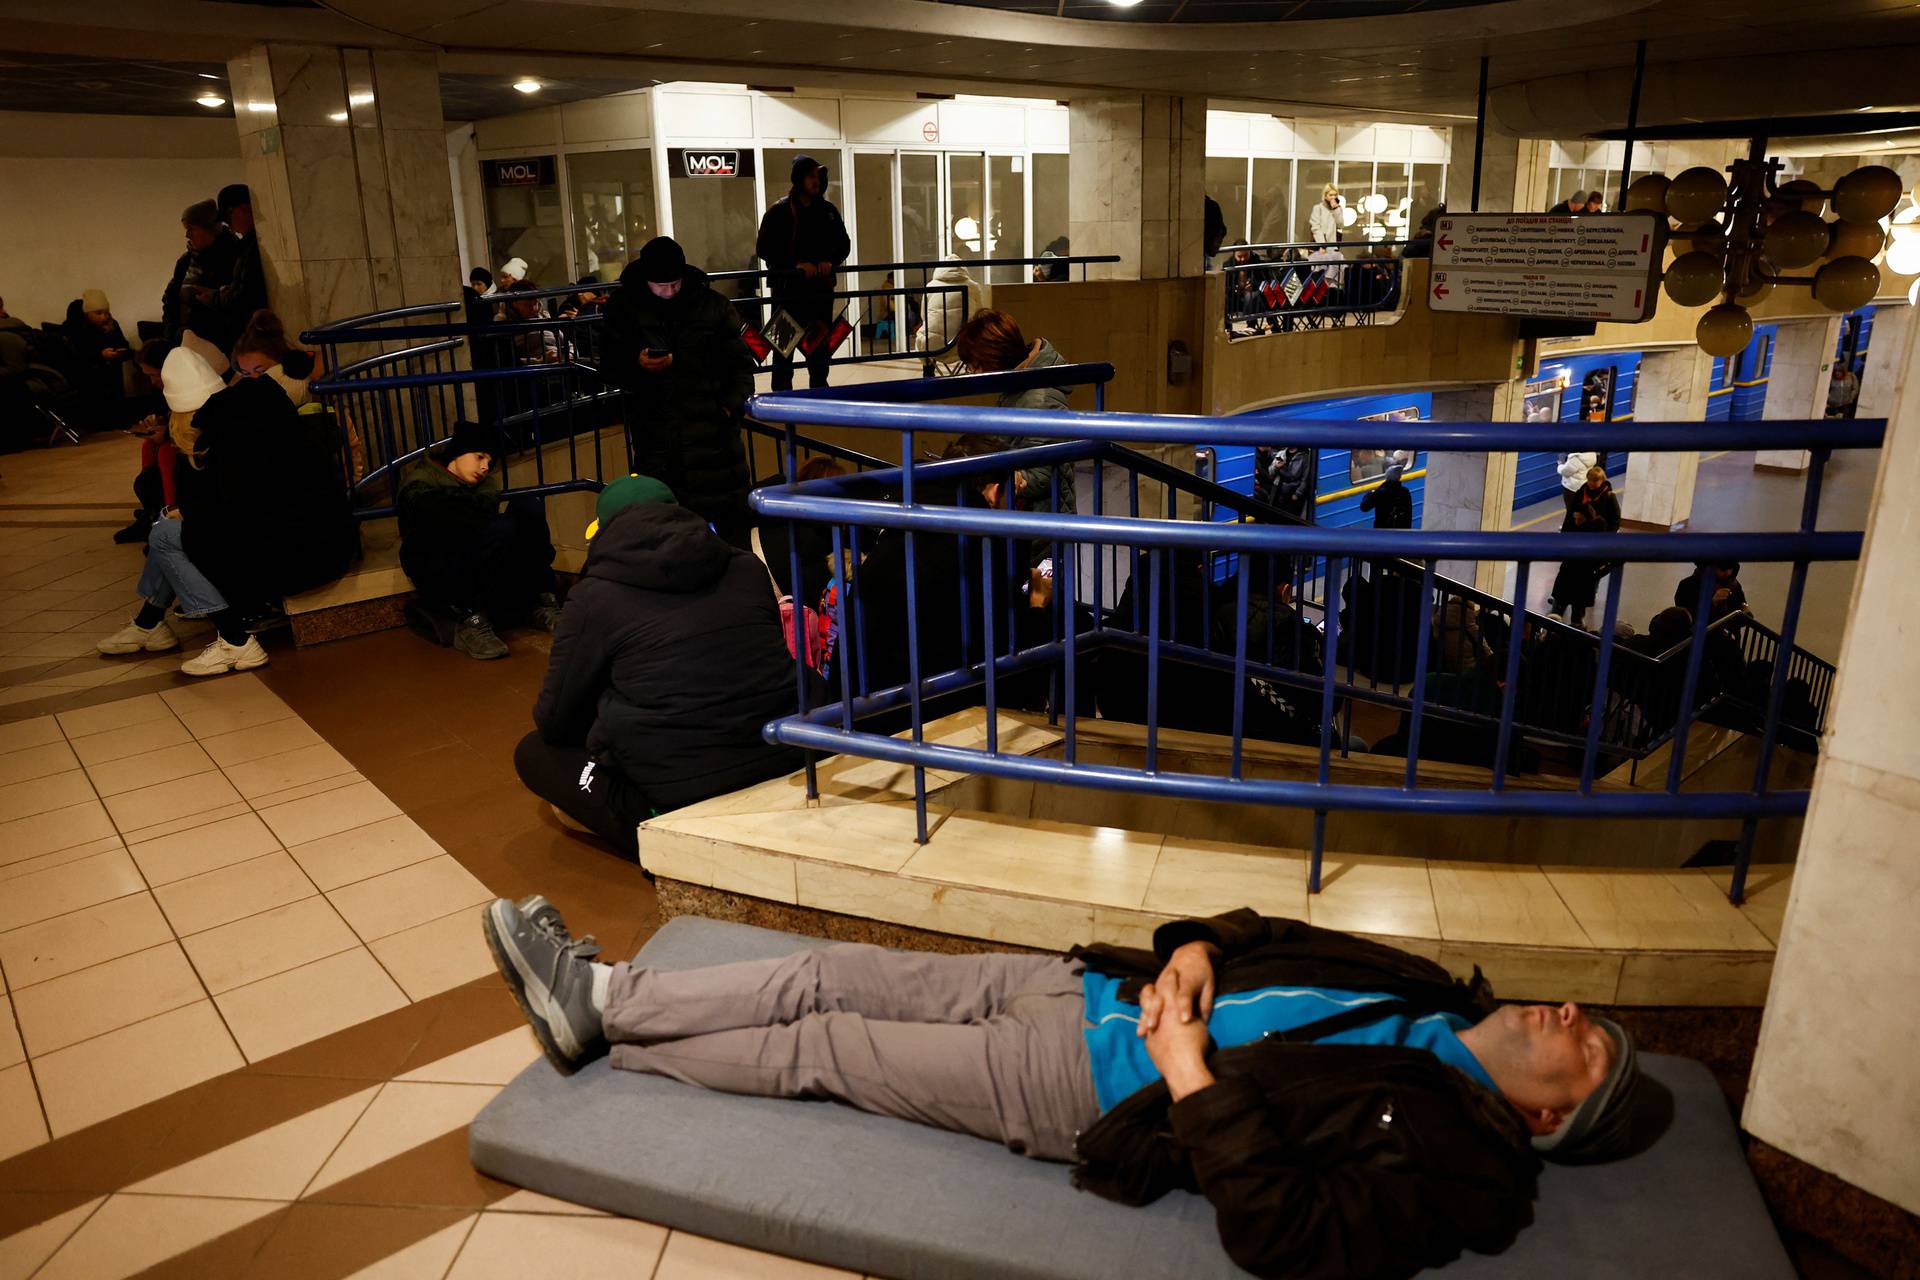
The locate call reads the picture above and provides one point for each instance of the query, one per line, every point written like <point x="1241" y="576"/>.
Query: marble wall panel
<point x="309" y="87"/>
<point x="1879" y="380"/>
<point x="388" y="291"/>
<point x="430" y="279"/>
<point x="325" y="188"/>
<point x="250" y="79"/>
<point x="336" y="288"/>
<point x="376" y="203"/>
<point x="408" y="85"/>
<point x="363" y="105"/>
<point x="421" y="191"/>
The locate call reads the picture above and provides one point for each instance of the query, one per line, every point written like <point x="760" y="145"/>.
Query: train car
<point x="1342" y="477"/>
<point x="1580" y="388"/>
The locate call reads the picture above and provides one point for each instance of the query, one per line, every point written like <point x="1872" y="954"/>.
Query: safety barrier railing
<point x="960" y="588"/>
<point x="1282" y="288"/>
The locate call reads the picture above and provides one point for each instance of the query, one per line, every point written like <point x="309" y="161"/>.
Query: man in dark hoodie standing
<point x="668" y="660"/>
<point x="674" y="345"/>
<point x="803" y="240"/>
<point x="246" y="290"/>
<point x="192" y="299"/>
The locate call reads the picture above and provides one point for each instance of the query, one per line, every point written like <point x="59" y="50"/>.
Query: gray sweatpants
<point x="990" y="1045"/>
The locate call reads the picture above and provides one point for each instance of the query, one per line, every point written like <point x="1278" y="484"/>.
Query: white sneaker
<point x="133" y="638"/>
<point x="220" y="657"/>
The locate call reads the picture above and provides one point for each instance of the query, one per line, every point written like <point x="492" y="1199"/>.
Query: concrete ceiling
<point x="1559" y="68"/>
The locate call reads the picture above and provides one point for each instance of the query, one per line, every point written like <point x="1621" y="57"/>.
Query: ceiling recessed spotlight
<point x="527" y="86"/>
<point x="210" y="100"/>
<point x="207" y="75"/>
<point x="1123" y="4"/>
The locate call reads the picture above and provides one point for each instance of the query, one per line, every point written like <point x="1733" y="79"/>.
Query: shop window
<point x="613" y="211"/>
<point x="1050" y="219"/>
<point x="1273" y="202"/>
<point x="523" y="217"/>
<point x="1227" y="186"/>
<point x="715" y="212"/>
<point x="1314" y="175"/>
<point x="966" y="206"/>
<point x="884" y="322"/>
<point x="1007" y="216"/>
<point x="920" y="239"/>
<point x="778" y="166"/>
<point x="1428" y="189"/>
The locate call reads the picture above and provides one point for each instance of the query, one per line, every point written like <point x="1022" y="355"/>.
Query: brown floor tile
<point x="314" y="1000"/>
<point x="463" y="1017"/>
<point x="334" y="1241"/>
<point x="98" y="1079"/>
<point x="162" y="1237"/>
<point x="35" y="1223"/>
<point x="410" y="1147"/>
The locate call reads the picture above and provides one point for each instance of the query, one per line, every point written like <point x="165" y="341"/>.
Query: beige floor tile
<point x="132" y="740"/>
<point x="233" y="892"/>
<point x="1768" y="887"/>
<point x="277" y="773"/>
<point x="131" y="773"/>
<point x="68" y="943"/>
<point x="43" y="761"/>
<point x="40" y="795"/>
<point x="269" y="739"/>
<point x="131" y="1233"/>
<point x="495" y="1061"/>
<point x="22" y="1252"/>
<point x="102" y="1077"/>
<point x="436" y="956"/>
<point x="55" y="619"/>
<point x="57" y="829"/>
<point x="504" y="1246"/>
<point x="211" y="713"/>
<point x="109" y="995"/>
<point x="301" y="791"/>
<point x="58" y="890"/>
<point x="1384" y="897"/>
<point x="36" y="732"/>
<point x="410" y="896"/>
<point x="1654" y="910"/>
<point x="21" y="1124"/>
<point x="189" y="822"/>
<point x="59" y="857"/>
<point x="691" y="1257"/>
<point x="64" y="645"/>
<point x="1504" y="903"/>
<point x="315" y="817"/>
<point x="274" y="1164"/>
<point x="12" y="1052"/>
<point x="303" y="1004"/>
<point x="135" y="812"/>
<point x="403" y="1117"/>
<point x="204" y="848"/>
<point x="524" y="1201"/>
<point x="366" y="851"/>
<point x="1204" y="877"/>
<point x="1105" y="866"/>
<point x="113" y="715"/>
<point x="271" y="942"/>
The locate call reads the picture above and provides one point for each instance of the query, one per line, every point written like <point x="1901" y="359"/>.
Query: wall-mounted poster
<point x="1541" y="402"/>
<point x="1596" y="395"/>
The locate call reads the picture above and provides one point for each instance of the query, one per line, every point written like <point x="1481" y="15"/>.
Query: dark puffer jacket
<point x="684" y="422"/>
<point x="1289" y="1144"/>
<point x="208" y="268"/>
<point x="266" y="514"/>
<point x="792" y="233"/>
<point x="669" y="659"/>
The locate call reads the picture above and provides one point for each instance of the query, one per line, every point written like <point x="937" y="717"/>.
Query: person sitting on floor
<point x="263" y="351"/>
<point x="667" y="661"/>
<point x="474" y="564"/>
<point x="153" y="483"/>
<point x="1348" y="1108"/>
<point x="103" y="351"/>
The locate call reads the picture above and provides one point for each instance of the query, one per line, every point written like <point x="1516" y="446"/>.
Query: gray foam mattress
<point x="823" y="1182"/>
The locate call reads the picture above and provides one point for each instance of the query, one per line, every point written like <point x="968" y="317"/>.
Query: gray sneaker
<point x="546" y="612"/>
<point x="475" y="637"/>
<point x="550" y="977"/>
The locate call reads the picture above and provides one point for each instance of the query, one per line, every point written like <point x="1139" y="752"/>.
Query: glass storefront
<point x="1313" y="176"/>
<point x="1272" y="200"/>
<point x="1227" y="187"/>
<point x="716" y="213"/>
<point x="1050" y="221"/>
<point x="613" y="209"/>
<point x="523" y="217"/>
<point x="1007" y="217"/>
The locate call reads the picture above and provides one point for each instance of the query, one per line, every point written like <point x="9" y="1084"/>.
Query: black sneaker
<point x="474" y="636"/>
<point x="546" y="612"/>
<point x="550" y="976"/>
<point x="137" y="531"/>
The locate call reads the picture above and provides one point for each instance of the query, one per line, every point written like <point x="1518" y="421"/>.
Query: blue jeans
<point x="170" y="576"/>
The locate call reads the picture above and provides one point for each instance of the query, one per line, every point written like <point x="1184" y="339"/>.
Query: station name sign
<point x="527" y="171"/>
<point x="1601" y="266"/>
<point x="709" y="162"/>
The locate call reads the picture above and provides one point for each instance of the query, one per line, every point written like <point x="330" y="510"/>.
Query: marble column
<point x="1671" y="386"/>
<point x="1836" y="1077"/>
<point x="1472" y="490"/>
<point x="346" y="157"/>
<point x="1136" y="186"/>
<point x="1879" y="381"/>
<point x="1797" y="383"/>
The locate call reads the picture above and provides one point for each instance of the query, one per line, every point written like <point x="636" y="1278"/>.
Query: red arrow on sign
<point x="1445" y="242"/>
<point x="1440" y="291"/>
<point x="1636" y="296"/>
<point x="1643" y="243"/>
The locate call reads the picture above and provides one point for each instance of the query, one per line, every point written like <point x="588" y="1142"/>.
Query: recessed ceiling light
<point x="338" y="117"/>
<point x="207" y="75"/>
<point x="527" y="86"/>
<point x="210" y="100"/>
<point x="1123" y="4"/>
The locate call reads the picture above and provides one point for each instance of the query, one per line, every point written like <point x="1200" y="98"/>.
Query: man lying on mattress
<point x="1349" y="1109"/>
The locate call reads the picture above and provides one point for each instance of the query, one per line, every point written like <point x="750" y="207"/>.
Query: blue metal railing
<point x="1282" y="288"/>
<point x="983" y="644"/>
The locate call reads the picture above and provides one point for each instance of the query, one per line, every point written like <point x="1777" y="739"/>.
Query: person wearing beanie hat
<point x="668" y="660"/>
<point x="106" y="357"/>
<point x="192" y="299"/>
<point x="511" y="272"/>
<point x="476" y="565"/>
<point x="673" y="344"/>
<point x="803" y="240"/>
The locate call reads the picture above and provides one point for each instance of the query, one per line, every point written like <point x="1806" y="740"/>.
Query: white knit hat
<point x="94" y="300"/>
<point x="188" y="381"/>
<point x="515" y="267"/>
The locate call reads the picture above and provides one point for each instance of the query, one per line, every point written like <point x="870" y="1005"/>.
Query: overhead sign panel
<point x="709" y="162"/>
<point x="1602" y="266"/>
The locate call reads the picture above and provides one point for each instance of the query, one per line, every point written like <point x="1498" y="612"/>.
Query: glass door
<point x="966" y="230"/>
<point x="1006" y="234"/>
<point x="878" y="321"/>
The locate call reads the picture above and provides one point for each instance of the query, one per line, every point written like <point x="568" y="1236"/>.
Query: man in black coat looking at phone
<point x="674" y="346"/>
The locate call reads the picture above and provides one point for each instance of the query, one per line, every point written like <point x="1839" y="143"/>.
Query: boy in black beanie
<point x="474" y="563"/>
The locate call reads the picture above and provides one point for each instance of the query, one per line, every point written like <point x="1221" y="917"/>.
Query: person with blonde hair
<point x="1323" y="220"/>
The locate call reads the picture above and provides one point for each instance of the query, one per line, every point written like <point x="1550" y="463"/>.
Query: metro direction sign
<point x="1599" y="266"/>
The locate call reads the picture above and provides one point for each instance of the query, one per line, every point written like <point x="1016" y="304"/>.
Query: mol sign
<point x="1602" y="266"/>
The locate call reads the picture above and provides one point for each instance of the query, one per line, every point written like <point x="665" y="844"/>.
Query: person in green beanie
<point x="668" y="659"/>
<point x="475" y="564"/>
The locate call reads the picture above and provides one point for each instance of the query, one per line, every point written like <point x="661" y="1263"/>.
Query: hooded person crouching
<point x="674" y="345"/>
<point x="668" y="660"/>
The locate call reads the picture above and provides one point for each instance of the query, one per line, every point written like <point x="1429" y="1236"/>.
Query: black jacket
<point x="1391" y="504"/>
<point x="208" y="268"/>
<point x="792" y="233"/>
<point x="246" y="290"/>
<point x="265" y="510"/>
<point x="1687" y="594"/>
<point x="1284" y="479"/>
<point x="1289" y="1145"/>
<point x="685" y="422"/>
<point x="669" y="659"/>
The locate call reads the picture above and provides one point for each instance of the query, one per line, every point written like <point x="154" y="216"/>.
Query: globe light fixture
<point x="1735" y="238"/>
<point x="1375" y="203"/>
<point x="1347" y="216"/>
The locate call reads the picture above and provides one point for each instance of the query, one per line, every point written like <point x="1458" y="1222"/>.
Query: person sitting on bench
<point x="1349" y="1109"/>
